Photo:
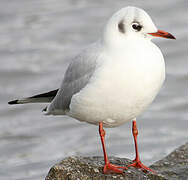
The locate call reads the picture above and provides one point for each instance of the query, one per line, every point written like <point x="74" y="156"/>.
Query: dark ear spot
<point x="121" y="27"/>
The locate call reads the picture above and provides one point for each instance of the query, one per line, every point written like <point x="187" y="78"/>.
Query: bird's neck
<point x="114" y="43"/>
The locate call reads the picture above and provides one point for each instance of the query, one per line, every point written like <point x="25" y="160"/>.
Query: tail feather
<point x="40" y="98"/>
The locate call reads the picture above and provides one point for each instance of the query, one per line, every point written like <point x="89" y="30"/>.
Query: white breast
<point x="123" y="85"/>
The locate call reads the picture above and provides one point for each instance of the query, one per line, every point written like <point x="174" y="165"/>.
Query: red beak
<point x="163" y="34"/>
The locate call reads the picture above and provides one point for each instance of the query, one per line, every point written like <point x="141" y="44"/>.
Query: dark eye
<point x="136" y="26"/>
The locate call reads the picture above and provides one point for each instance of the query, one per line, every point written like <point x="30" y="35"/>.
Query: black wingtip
<point x="45" y="109"/>
<point x="13" y="102"/>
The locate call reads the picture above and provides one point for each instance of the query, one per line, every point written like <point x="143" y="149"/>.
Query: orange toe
<point x="111" y="168"/>
<point x="138" y="164"/>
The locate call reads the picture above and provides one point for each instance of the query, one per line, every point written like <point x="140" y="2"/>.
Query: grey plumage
<point x="76" y="78"/>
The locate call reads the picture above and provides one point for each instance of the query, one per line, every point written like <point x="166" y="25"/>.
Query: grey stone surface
<point x="172" y="167"/>
<point x="175" y="165"/>
<point x="86" y="168"/>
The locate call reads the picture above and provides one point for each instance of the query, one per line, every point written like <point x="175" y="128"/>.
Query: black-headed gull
<point x="113" y="80"/>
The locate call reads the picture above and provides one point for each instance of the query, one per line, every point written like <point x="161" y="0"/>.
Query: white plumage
<point x="116" y="78"/>
<point x="113" y="80"/>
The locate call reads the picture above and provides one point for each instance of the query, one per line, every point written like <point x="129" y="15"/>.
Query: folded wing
<point x="76" y="78"/>
<point x="40" y="98"/>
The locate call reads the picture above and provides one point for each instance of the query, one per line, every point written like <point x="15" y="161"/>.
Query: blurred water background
<point x="37" y="40"/>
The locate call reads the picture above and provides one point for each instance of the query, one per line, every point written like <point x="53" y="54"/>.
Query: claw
<point x="111" y="168"/>
<point x="138" y="164"/>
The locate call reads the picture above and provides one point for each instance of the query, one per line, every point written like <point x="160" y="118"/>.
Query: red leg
<point x="137" y="163"/>
<point x="108" y="167"/>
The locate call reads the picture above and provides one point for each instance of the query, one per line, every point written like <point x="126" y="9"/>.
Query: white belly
<point x="119" y="90"/>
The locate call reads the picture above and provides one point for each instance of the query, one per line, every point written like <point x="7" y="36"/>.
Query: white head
<point x="134" y="23"/>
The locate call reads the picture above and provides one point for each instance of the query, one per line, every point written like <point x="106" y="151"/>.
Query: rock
<point x="172" y="167"/>
<point x="87" y="168"/>
<point x="175" y="165"/>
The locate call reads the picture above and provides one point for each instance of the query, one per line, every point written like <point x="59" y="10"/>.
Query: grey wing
<point x="76" y="78"/>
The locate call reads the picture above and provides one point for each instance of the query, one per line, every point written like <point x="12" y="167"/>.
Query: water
<point x="37" y="40"/>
